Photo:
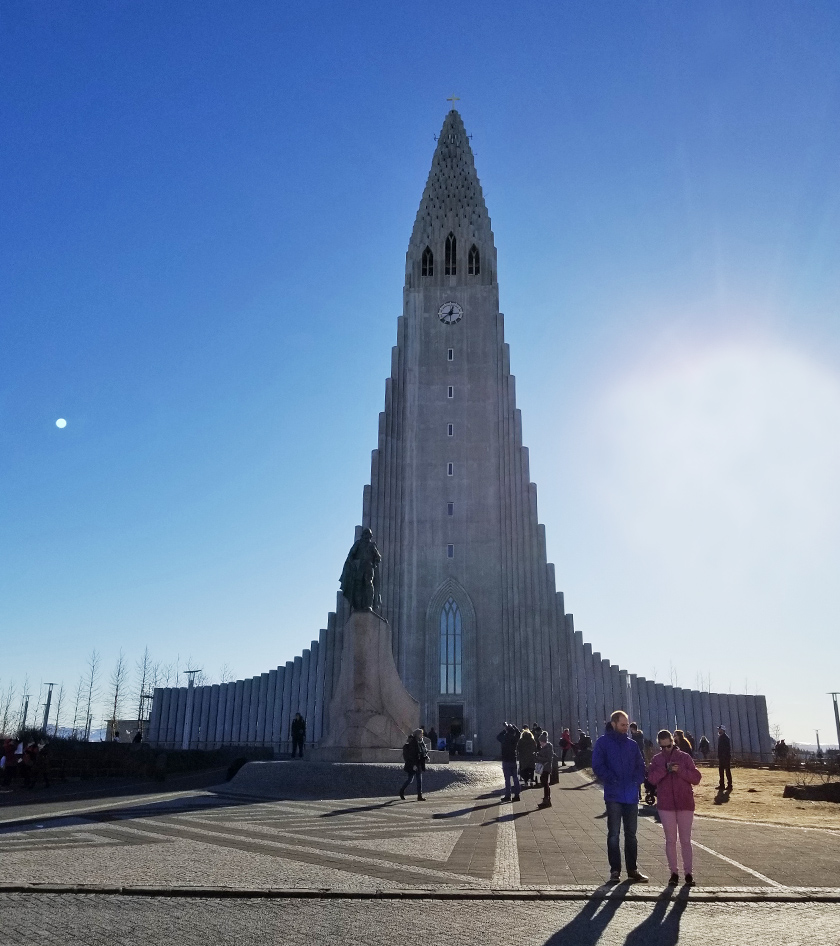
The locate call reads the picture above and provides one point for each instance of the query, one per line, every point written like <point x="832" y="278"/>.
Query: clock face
<point x="450" y="312"/>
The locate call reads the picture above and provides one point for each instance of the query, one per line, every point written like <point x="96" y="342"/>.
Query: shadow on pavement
<point x="588" y="926"/>
<point x="358" y="808"/>
<point x="661" y="928"/>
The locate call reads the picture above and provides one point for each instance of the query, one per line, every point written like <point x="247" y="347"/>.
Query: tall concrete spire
<point x="452" y="202"/>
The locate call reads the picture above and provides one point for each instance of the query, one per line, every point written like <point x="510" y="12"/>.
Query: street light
<point x="834" y="696"/>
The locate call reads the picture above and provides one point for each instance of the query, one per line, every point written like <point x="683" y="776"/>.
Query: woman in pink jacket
<point x="673" y="772"/>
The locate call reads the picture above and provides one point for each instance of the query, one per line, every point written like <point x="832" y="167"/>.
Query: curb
<point x="720" y="895"/>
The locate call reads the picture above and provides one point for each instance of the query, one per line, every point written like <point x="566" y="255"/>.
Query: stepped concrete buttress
<point x="371" y="712"/>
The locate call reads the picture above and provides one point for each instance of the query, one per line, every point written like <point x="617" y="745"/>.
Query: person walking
<point x="415" y="758"/>
<point x="617" y="761"/>
<point x="545" y="756"/>
<point x="724" y="754"/>
<point x="673" y="772"/>
<point x="683" y="743"/>
<point x="509" y="737"/>
<point x="298" y="734"/>
<point x="565" y="745"/>
<point x="526" y="750"/>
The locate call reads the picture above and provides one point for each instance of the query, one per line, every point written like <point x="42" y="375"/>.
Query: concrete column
<point x="277" y="710"/>
<point x="670" y="707"/>
<point x="230" y="706"/>
<point x="725" y="717"/>
<point x="598" y="716"/>
<point x="330" y="659"/>
<point x="200" y="737"/>
<point x="653" y="711"/>
<point x="699" y="722"/>
<point x="679" y="708"/>
<point x="170" y="711"/>
<point x="580" y="675"/>
<point x="212" y="717"/>
<point x="640" y="703"/>
<point x="244" y="708"/>
<point x="310" y="692"/>
<point x="152" y="733"/>
<point x="752" y="720"/>
<point x="268" y="713"/>
<point x="318" y="727"/>
<point x="662" y="708"/>
<point x="262" y="703"/>
<point x="743" y="723"/>
<point x="249" y="711"/>
<point x="236" y="724"/>
<point x="715" y="717"/>
<point x="288" y="679"/>
<point x="766" y="741"/>
<point x="619" y="690"/>
<point x="589" y="689"/>
<point x="296" y="679"/>
<point x="253" y="709"/>
<point x="734" y="729"/>
<point x="163" y="722"/>
<point x="631" y="686"/>
<point x="303" y="692"/>
<point x="176" y="716"/>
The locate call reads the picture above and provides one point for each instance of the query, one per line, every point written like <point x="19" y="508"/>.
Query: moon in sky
<point x="61" y="422"/>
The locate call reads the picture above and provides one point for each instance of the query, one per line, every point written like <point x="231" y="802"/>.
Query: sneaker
<point x="637" y="877"/>
<point x="615" y="876"/>
<point x="689" y="880"/>
<point x="505" y="797"/>
<point x="675" y="879"/>
<point x="545" y="803"/>
<point x="515" y="798"/>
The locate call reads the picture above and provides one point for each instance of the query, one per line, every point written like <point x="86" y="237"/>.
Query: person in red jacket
<point x="673" y="772"/>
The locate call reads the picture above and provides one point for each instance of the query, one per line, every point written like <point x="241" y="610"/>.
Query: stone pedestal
<point x="371" y="712"/>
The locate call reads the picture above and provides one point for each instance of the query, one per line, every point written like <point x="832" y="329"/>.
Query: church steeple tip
<point x="452" y="213"/>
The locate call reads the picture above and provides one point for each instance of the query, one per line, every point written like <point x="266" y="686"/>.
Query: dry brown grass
<point x="757" y="796"/>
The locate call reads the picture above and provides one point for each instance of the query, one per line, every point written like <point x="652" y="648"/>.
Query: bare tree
<point x="23" y="713"/>
<point x="144" y="679"/>
<point x="58" y="701"/>
<point x="119" y="676"/>
<point x="78" y="707"/>
<point x="6" y="708"/>
<point x="225" y="674"/>
<point x="92" y="687"/>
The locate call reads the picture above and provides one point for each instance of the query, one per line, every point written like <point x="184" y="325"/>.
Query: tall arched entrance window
<point x="450" y="647"/>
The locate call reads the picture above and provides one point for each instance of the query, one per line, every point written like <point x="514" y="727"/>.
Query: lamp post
<point x="47" y="707"/>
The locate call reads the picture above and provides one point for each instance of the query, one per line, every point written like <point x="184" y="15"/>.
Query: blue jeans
<point x="509" y="768"/>
<point x="418" y="774"/>
<point x="616" y="813"/>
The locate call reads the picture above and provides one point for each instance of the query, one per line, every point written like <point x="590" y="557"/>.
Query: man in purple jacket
<point x="617" y="761"/>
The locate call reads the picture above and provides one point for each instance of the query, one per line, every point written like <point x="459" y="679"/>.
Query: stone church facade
<point x="480" y="633"/>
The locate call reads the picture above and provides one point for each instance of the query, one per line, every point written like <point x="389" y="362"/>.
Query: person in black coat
<point x="298" y="734"/>
<point x="509" y="737"/>
<point x="724" y="754"/>
<point x="415" y="758"/>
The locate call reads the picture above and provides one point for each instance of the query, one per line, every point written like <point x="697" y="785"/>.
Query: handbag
<point x="538" y="768"/>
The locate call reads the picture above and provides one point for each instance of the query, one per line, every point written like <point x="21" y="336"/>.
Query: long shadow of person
<point x="661" y="928"/>
<point x="588" y="926"/>
<point x="722" y="797"/>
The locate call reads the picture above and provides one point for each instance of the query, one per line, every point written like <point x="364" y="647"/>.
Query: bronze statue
<point x="360" y="575"/>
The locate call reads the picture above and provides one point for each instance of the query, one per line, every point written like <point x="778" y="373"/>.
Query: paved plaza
<point x="200" y="858"/>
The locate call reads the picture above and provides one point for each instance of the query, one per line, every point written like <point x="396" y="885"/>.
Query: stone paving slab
<point x="127" y="921"/>
<point x="202" y="841"/>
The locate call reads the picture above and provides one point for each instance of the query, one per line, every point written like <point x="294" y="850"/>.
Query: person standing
<point x="673" y="772"/>
<point x="298" y="734"/>
<point x="617" y="761"/>
<point x="724" y="754"/>
<point x="545" y="757"/>
<point x="415" y="758"/>
<point x="683" y="743"/>
<point x="509" y="737"/>
<point x="704" y="747"/>
<point x="526" y="750"/>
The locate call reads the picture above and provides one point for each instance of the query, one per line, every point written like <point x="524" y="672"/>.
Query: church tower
<point x="479" y="633"/>
<point x="478" y="637"/>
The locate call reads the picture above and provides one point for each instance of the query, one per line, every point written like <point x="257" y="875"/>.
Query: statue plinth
<point x="371" y="712"/>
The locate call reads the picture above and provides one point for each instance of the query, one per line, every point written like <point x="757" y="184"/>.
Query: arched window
<point x="450" y="647"/>
<point x="449" y="260"/>
<point x="427" y="265"/>
<point x="473" y="264"/>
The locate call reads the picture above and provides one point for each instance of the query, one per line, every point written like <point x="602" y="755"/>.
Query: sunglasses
<point x="666" y="745"/>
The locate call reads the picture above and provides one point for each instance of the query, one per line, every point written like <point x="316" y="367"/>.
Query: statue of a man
<point x="360" y="575"/>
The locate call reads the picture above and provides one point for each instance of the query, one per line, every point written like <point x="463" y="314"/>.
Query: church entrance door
<point x="451" y="726"/>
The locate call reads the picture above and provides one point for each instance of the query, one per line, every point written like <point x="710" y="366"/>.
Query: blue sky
<point x="204" y="213"/>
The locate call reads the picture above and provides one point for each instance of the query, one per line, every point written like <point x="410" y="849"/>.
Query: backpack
<point x="407" y="753"/>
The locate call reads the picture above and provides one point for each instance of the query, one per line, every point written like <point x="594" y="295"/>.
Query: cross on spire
<point x="453" y="99"/>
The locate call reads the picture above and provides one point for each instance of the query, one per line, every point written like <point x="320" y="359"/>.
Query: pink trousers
<point x="673" y="822"/>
